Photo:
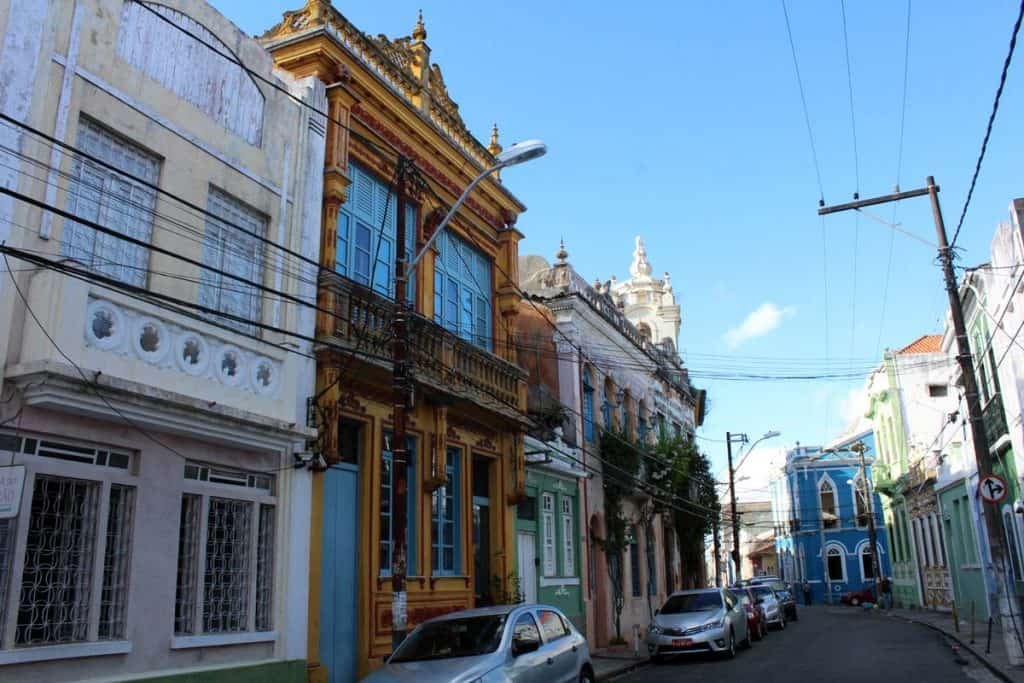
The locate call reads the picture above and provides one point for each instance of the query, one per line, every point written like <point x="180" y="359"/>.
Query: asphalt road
<point x="831" y="644"/>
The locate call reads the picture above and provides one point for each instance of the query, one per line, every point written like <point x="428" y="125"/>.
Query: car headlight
<point x="712" y="624"/>
<point x="654" y="630"/>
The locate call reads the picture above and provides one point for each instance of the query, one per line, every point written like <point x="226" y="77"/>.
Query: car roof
<point x="696" y="591"/>
<point x="495" y="610"/>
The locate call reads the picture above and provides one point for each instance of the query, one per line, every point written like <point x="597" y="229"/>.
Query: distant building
<point x="910" y="401"/>
<point x="824" y="534"/>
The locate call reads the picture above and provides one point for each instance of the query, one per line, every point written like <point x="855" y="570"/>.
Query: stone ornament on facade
<point x="132" y="334"/>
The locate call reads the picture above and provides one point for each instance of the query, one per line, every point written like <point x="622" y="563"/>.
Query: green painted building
<point x="548" y="529"/>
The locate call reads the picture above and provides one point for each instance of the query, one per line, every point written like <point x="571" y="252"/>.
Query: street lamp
<point x="741" y="438"/>
<point x="519" y="153"/>
<point x="401" y="378"/>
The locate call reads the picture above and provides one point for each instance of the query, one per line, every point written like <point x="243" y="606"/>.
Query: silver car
<point x="706" y="620"/>
<point x="774" y="611"/>
<point x="505" y="644"/>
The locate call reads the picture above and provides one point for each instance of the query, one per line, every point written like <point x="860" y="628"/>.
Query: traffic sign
<point x="992" y="488"/>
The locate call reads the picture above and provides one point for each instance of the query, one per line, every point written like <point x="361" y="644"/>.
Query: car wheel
<point x="731" y="652"/>
<point x="586" y="676"/>
<point x="764" y="628"/>
<point x="854" y="601"/>
<point x="747" y="642"/>
<point x="759" y="631"/>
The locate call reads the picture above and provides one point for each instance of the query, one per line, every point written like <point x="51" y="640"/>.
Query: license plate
<point x="681" y="642"/>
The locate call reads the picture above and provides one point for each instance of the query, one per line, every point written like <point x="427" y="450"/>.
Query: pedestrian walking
<point x="886" y="585"/>
<point x="807" y="592"/>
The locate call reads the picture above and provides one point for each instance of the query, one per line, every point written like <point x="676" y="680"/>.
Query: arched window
<point x="867" y="562"/>
<point x="827" y="499"/>
<point x="836" y="560"/>
<point x="861" y="502"/>
<point x="588" y="406"/>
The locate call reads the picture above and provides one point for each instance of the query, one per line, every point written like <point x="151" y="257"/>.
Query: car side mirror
<point x="521" y="646"/>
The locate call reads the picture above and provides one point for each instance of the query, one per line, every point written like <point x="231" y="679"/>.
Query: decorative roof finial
<point x="562" y="255"/>
<point x="641" y="267"/>
<point x="668" y="282"/>
<point x="419" y="32"/>
<point x="494" y="148"/>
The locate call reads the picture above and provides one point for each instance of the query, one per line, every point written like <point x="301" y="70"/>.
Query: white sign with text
<point x="12" y="482"/>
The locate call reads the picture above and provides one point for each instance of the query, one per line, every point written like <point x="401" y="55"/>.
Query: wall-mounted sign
<point x="12" y="482"/>
<point x="992" y="488"/>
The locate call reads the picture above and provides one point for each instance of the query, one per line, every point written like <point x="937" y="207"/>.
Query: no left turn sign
<point x="992" y="488"/>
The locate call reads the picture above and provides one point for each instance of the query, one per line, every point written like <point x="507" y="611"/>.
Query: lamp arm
<point x="451" y="214"/>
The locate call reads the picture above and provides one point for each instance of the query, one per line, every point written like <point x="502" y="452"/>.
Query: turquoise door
<point x="338" y="592"/>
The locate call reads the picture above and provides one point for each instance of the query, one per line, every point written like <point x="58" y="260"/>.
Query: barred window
<point x="225" y="556"/>
<point x="65" y="562"/>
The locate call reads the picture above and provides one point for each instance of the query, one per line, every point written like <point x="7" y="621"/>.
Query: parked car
<point x="756" y="622"/>
<point x="774" y="612"/>
<point x="694" y="621"/>
<point x="504" y="644"/>
<point x="865" y="594"/>
<point x="784" y="592"/>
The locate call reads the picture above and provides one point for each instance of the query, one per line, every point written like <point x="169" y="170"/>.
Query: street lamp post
<point x="860" y="448"/>
<point x="401" y="376"/>
<point x="740" y="438"/>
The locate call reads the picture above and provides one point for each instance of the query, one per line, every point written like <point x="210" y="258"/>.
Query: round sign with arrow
<point x="992" y="488"/>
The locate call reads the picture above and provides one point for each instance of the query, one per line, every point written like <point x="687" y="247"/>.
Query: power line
<point x="803" y="102"/>
<point x="991" y="121"/>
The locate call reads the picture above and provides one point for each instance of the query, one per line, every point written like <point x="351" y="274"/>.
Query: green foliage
<point x="508" y="591"/>
<point x="622" y="463"/>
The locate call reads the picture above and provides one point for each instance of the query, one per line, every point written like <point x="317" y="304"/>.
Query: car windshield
<point x="763" y="592"/>
<point x="741" y="597"/>
<point x="467" y="637"/>
<point x="692" y="602"/>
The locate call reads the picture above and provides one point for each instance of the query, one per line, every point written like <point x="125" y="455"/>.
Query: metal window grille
<point x="57" y="578"/>
<point x="117" y="562"/>
<point x="7" y="528"/>
<point x="188" y="563"/>
<point x="228" y="566"/>
<point x="265" y="570"/>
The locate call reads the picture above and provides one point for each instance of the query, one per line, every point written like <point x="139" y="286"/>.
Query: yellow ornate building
<point x="466" y="472"/>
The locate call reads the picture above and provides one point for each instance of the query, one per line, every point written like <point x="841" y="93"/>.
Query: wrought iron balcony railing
<point x="440" y="358"/>
<point x="993" y="419"/>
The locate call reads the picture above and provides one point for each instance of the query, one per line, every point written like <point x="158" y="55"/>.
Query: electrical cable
<point x="991" y="122"/>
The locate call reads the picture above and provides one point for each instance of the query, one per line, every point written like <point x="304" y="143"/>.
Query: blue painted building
<point x="821" y="505"/>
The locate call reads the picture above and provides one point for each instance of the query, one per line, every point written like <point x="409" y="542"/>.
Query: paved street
<point x="831" y="644"/>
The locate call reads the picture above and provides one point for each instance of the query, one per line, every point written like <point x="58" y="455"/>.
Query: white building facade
<point x="162" y="228"/>
<point x="613" y="376"/>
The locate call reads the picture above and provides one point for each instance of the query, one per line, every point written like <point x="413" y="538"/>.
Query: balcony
<point x="993" y="420"/>
<point x="442" y="361"/>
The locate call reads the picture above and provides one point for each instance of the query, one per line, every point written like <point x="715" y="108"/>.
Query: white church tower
<point x="648" y="303"/>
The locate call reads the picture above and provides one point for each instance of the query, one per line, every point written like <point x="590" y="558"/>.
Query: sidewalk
<point x="996" y="660"/>
<point x="610" y="662"/>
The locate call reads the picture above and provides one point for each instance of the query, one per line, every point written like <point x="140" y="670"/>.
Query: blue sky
<point x="681" y="122"/>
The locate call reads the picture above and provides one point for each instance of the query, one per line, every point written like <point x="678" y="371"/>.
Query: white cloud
<point x="852" y="408"/>
<point x="758" y="322"/>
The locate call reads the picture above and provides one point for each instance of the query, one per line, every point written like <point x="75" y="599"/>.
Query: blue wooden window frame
<point x="588" y="407"/>
<point x="446" y="521"/>
<point x="386" y="504"/>
<point x="369" y="205"/>
<point x="652" y="563"/>
<point x="463" y="297"/>
<point x="606" y="413"/>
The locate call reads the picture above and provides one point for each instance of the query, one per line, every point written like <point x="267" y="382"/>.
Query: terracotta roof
<point x="928" y="343"/>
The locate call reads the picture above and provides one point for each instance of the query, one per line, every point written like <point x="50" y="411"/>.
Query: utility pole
<point x="1004" y="600"/>
<point x="402" y="393"/>
<point x="860" y="448"/>
<point x="718" y="552"/>
<point x="732" y="505"/>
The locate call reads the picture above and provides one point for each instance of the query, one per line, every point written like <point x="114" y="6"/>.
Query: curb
<point x="629" y="668"/>
<point x="981" y="658"/>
